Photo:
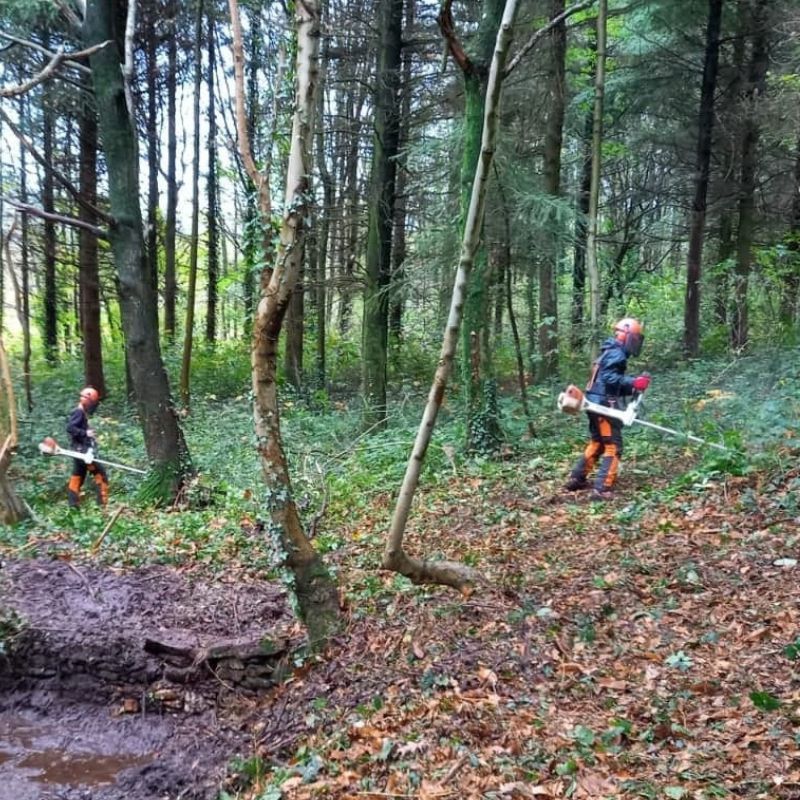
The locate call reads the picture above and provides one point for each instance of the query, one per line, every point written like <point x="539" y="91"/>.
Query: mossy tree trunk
<point x="163" y="437"/>
<point x="316" y="590"/>
<point x="483" y="427"/>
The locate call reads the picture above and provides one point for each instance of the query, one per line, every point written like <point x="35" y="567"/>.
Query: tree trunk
<point x="151" y="130"/>
<point x="791" y="279"/>
<point x="295" y="323"/>
<point x="350" y="217"/>
<point x="163" y="437"/>
<point x="397" y="292"/>
<point x="394" y="557"/>
<point x="23" y="296"/>
<point x="2" y="257"/>
<point x="483" y="426"/>
<point x="50" y="333"/>
<point x="592" y="268"/>
<point x="253" y="234"/>
<point x="191" y="291"/>
<point x="316" y="590"/>
<point x="211" y="186"/>
<point x="12" y="509"/>
<point x="375" y="330"/>
<point x="759" y="61"/>
<point x="705" y="121"/>
<point x="170" y="279"/>
<point x="509" y="300"/>
<point x="548" y="269"/>
<point x="323" y="238"/>
<point x="577" y="336"/>
<point x="89" y="274"/>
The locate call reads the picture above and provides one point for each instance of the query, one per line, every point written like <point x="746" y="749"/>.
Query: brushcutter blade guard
<point x="571" y="400"/>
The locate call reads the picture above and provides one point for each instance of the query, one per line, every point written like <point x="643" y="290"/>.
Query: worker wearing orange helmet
<point x="609" y="385"/>
<point x="82" y="439"/>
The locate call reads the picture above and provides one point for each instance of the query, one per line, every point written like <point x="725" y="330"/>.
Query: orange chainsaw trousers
<point x="79" y="471"/>
<point x="604" y="446"/>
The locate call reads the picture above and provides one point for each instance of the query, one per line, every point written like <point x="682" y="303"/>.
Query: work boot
<point x="602" y="495"/>
<point x="73" y="499"/>
<point x="576" y="483"/>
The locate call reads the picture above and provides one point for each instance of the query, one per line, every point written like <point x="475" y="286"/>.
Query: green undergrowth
<point x="341" y="474"/>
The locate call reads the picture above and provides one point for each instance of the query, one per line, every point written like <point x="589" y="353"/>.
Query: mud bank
<point x="130" y="684"/>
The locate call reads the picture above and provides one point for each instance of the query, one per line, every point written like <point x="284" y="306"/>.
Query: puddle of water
<point x="78" y="769"/>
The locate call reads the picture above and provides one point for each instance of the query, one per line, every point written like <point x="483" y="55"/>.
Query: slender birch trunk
<point x="316" y="590"/>
<point x="395" y="558"/>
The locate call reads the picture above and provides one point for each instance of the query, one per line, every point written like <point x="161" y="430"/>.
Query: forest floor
<point x="638" y="648"/>
<point x="647" y="647"/>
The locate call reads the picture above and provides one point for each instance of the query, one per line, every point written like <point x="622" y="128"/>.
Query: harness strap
<point x="593" y="376"/>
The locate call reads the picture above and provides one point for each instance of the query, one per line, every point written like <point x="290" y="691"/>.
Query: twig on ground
<point x="109" y="525"/>
<point x="83" y="578"/>
<point x="456" y="768"/>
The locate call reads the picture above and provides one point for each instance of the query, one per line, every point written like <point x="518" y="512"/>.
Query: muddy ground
<point x="131" y="684"/>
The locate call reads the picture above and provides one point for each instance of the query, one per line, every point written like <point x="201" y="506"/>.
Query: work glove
<point x="641" y="382"/>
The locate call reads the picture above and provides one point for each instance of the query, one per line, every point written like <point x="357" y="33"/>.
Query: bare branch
<point x="37" y="212"/>
<point x="78" y="197"/>
<point x="47" y="72"/>
<point x="543" y="31"/>
<point x="260" y="180"/>
<point x="448" y="29"/>
<point x="68" y="62"/>
<point x="56" y="60"/>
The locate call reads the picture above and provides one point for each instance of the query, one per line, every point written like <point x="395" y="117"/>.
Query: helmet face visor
<point x="633" y="343"/>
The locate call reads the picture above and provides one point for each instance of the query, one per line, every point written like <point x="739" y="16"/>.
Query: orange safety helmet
<point x="91" y="395"/>
<point x="629" y="333"/>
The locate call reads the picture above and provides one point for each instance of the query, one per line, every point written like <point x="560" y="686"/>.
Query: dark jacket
<point x="77" y="426"/>
<point x="608" y="381"/>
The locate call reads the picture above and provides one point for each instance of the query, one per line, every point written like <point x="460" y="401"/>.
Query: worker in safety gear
<point x="609" y="386"/>
<point x="82" y="439"/>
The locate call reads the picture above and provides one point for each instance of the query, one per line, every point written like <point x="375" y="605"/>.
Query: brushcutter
<point x="572" y="401"/>
<point x="49" y="447"/>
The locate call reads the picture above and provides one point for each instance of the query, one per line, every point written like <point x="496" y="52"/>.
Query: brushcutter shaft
<point x="688" y="436"/>
<point x="120" y="466"/>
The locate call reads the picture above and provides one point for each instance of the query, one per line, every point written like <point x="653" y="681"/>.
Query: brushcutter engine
<point x="571" y="400"/>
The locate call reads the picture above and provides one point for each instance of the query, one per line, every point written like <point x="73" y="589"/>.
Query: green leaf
<point x="765" y="701"/>
<point x="583" y="735"/>
<point x="675" y="792"/>
<point x="792" y="651"/>
<point x="679" y="661"/>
